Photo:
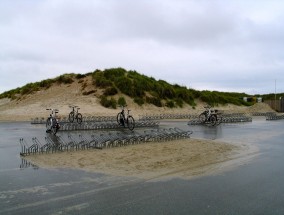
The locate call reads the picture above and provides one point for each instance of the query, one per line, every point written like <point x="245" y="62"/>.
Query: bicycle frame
<point x="53" y="112"/>
<point x="74" y="114"/>
<point x="73" y="109"/>
<point x="125" y="119"/>
<point x="208" y="116"/>
<point x="123" y="113"/>
<point x="208" y="112"/>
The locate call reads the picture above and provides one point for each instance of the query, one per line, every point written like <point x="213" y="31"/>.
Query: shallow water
<point x="255" y="187"/>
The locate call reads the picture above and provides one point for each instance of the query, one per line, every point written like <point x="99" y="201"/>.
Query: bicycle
<point x="52" y="124"/>
<point x="208" y="116"/>
<point x="125" y="120"/>
<point x="74" y="114"/>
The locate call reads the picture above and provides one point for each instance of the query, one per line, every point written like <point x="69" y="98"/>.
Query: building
<point x="277" y="105"/>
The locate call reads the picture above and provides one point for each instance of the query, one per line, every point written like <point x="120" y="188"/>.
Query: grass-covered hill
<point x="142" y="89"/>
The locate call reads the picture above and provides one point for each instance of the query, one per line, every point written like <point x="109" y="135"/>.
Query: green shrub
<point x="154" y="100"/>
<point x="164" y="90"/>
<point x="100" y="81"/>
<point x="170" y="104"/>
<point x="121" y="101"/>
<point x="138" y="88"/>
<point x="114" y="73"/>
<point x="108" y="103"/>
<point x="207" y="97"/>
<point x="13" y="97"/>
<point x="10" y="93"/>
<point x="79" y="76"/>
<point x="184" y="94"/>
<point x="113" y="103"/>
<point x="104" y="101"/>
<point x="29" y="88"/>
<point x="179" y="102"/>
<point x="65" y="79"/>
<point x="125" y="85"/>
<point x="46" y="83"/>
<point x="139" y="101"/>
<point x="110" y="91"/>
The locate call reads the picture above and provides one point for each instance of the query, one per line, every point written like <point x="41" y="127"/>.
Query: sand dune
<point x="61" y="96"/>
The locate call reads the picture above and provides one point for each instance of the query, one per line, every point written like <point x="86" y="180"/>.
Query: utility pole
<point x="275" y="97"/>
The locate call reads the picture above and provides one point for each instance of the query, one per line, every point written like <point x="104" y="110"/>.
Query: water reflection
<point x="212" y="133"/>
<point x="27" y="164"/>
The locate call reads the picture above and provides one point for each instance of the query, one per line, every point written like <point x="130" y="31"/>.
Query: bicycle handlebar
<point x="55" y="110"/>
<point x="74" y="106"/>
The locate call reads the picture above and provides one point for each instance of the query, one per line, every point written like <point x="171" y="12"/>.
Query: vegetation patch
<point x="110" y="91"/>
<point x="121" y="101"/>
<point x="108" y="103"/>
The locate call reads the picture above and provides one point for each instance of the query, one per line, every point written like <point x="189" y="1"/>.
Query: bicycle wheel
<point x="219" y="119"/>
<point x="71" y="116"/>
<point x="130" y="123"/>
<point x="202" y="117"/>
<point x="48" y="124"/>
<point x="79" y="118"/>
<point x="54" y="126"/>
<point x="119" y="119"/>
<point x="53" y="130"/>
<point x="213" y="120"/>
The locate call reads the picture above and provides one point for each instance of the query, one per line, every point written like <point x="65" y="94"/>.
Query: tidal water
<point x="255" y="187"/>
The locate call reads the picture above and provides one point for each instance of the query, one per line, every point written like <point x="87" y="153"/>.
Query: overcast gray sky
<point x="223" y="45"/>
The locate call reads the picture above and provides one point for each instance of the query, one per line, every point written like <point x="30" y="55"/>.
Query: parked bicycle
<point x="74" y="114"/>
<point x="125" y="120"/>
<point x="52" y="124"/>
<point x="210" y="116"/>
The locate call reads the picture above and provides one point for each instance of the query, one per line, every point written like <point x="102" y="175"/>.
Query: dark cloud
<point x="215" y="45"/>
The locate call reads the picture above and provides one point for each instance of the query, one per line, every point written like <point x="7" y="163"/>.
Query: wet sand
<point x="184" y="158"/>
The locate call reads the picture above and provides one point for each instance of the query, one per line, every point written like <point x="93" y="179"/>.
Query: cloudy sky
<point x="223" y="45"/>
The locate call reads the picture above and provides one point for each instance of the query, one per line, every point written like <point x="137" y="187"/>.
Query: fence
<point x="277" y="105"/>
